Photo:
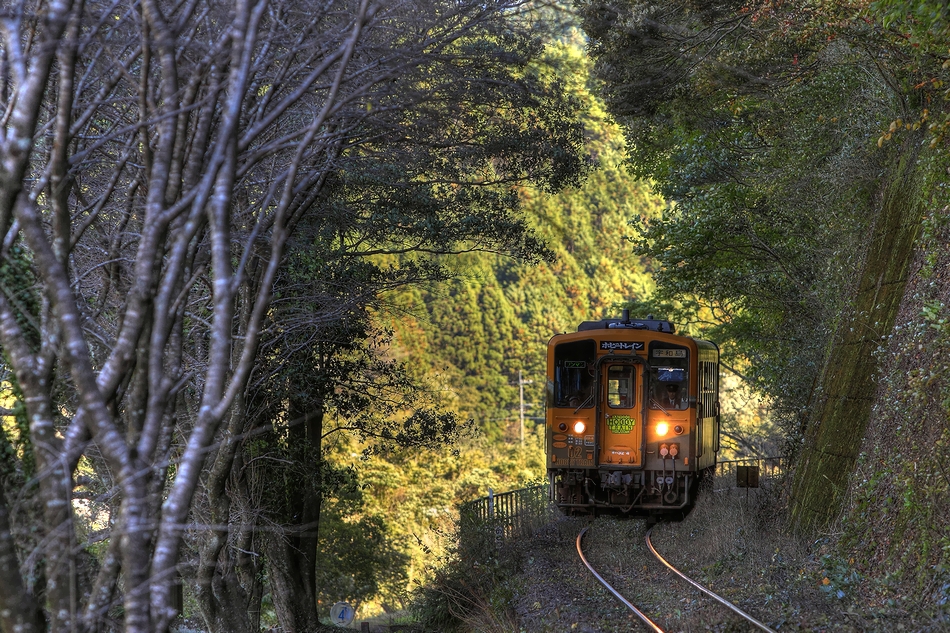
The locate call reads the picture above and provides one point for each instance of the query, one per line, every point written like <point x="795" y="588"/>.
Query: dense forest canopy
<point x="473" y="337"/>
<point x="492" y="321"/>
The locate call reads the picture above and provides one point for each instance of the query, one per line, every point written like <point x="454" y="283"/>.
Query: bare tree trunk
<point x="294" y="555"/>
<point x="294" y="602"/>
<point x="220" y="594"/>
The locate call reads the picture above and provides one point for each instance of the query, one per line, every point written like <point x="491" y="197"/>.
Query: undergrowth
<point x="471" y="589"/>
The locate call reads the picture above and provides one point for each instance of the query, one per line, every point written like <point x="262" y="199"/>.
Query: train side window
<point x="574" y="374"/>
<point x="708" y="388"/>
<point x="701" y="399"/>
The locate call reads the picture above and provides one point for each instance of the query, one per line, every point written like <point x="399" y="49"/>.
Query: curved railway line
<point x="650" y="624"/>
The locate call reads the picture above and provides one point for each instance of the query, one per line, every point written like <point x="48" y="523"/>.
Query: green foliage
<point x="754" y="123"/>
<point x="358" y="558"/>
<point x="921" y="17"/>
<point x="17" y="461"/>
<point x="916" y="34"/>
<point x="441" y="177"/>
<point x="417" y="491"/>
<point x="472" y="589"/>
<point x="466" y="337"/>
<point x="839" y="576"/>
<point x="18" y="284"/>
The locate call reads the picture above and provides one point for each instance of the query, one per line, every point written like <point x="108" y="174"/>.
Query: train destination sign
<point x="669" y="353"/>
<point x="635" y="346"/>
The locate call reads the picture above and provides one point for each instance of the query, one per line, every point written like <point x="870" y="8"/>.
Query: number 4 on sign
<point x="341" y="614"/>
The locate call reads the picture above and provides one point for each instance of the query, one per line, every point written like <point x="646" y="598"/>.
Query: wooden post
<point x="178" y="595"/>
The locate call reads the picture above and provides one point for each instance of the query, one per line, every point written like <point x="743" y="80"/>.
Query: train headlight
<point x="662" y="429"/>
<point x="678" y="429"/>
<point x="580" y="427"/>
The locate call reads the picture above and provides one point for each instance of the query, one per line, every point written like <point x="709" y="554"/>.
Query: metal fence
<point x="513" y="514"/>
<point x="770" y="470"/>
<point x="518" y="513"/>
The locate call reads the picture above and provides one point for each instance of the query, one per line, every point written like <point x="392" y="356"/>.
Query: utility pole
<point x="521" y="383"/>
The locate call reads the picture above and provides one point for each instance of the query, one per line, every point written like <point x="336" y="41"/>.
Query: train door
<point x="621" y="416"/>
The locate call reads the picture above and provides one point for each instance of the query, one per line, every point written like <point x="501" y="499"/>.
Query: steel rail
<point x="647" y="621"/>
<point x="695" y="584"/>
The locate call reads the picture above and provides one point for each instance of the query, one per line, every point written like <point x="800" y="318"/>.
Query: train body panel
<point x="632" y="417"/>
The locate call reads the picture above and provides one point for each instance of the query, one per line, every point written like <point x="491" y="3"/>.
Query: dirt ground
<point x="733" y="542"/>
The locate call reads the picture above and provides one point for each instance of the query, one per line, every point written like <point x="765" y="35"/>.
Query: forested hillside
<point x="492" y="321"/>
<point x="473" y="336"/>
<point x="798" y="159"/>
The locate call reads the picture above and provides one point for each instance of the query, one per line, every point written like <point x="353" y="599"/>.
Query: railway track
<point x="650" y="624"/>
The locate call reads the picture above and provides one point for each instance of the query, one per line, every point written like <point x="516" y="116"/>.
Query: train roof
<point x="649" y="323"/>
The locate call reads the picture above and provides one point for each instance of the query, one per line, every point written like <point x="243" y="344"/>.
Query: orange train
<point x="632" y="417"/>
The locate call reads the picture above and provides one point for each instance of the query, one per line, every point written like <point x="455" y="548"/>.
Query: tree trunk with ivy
<point x="841" y="408"/>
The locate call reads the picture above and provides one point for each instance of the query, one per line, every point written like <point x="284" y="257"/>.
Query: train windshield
<point x="574" y="374"/>
<point x="669" y="379"/>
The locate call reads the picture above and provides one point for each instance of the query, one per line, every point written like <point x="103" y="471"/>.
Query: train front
<point x="632" y="417"/>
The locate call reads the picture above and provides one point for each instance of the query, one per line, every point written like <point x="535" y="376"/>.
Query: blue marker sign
<point x="341" y="614"/>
